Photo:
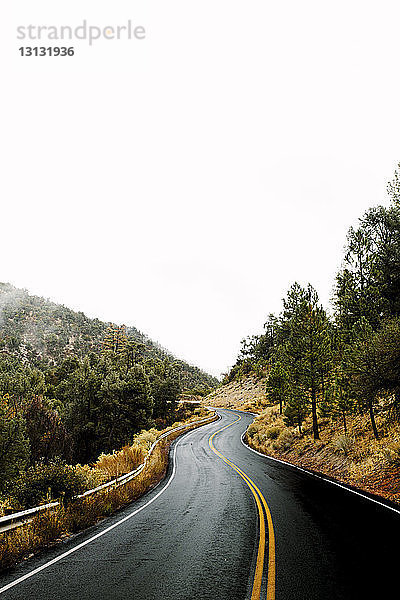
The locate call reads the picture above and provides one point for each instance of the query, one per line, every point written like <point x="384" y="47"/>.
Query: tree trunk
<point x="344" y="421"/>
<point x="314" y="413"/>
<point x="372" y="417"/>
<point x="299" y="426"/>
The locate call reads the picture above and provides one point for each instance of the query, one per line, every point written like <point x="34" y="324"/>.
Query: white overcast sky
<point x="181" y="183"/>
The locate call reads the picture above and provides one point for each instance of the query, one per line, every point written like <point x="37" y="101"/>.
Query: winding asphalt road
<point x="226" y="523"/>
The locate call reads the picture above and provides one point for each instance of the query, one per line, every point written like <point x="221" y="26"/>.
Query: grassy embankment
<point x="53" y="525"/>
<point x="355" y="458"/>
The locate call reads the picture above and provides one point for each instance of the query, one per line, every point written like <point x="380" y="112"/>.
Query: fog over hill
<point x="39" y="331"/>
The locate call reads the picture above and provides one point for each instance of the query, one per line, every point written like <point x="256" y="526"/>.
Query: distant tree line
<point x="333" y="365"/>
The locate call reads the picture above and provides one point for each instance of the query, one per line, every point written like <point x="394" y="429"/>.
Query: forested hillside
<point x="329" y="365"/>
<point x="72" y="387"/>
<point x="40" y="332"/>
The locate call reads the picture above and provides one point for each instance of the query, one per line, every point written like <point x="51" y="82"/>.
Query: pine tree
<point x="393" y="188"/>
<point x="308" y="346"/>
<point x="278" y="385"/>
<point x="115" y="340"/>
<point x="297" y="407"/>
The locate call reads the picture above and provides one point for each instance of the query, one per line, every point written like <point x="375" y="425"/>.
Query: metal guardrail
<point x="21" y="518"/>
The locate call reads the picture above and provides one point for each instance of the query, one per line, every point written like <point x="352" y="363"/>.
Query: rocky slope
<point x="246" y="394"/>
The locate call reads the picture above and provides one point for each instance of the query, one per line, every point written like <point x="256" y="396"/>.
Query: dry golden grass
<point x="147" y="437"/>
<point x="109" y="466"/>
<point x="120" y="462"/>
<point x="49" y="526"/>
<point x="355" y="457"/>
<point x="91" y="475"/>
<point x="247" y="393"/>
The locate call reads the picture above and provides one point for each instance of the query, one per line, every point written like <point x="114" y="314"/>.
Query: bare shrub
<point x="343" y="443"/>
<point x="91" y="476"/>
<point x="42" y="482"/>
<point x="49" y="525"/>
<point x="284" y="441"/>
<point x="392" y="454"/>
<point x="14" y="544"/>
<point x="252" y="430"/>
<point x="273" y="415"/>
<point x="123" y="461"/>
<point x="273" y="433"/>
<point x="147" y="438"/>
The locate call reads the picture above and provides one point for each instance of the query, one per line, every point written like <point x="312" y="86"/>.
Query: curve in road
<point x="262" y="508"/>
<point x="198" y="535"/>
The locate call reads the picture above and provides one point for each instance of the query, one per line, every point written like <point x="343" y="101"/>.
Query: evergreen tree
<point x="374" y="366"/>
<point x="115" y="340"/>
<point x="297" y="407"/>
<point x="278" y="385"/>
<point x="357" y="293"/>
<point x="308" y="346"/>
<point x="46" y="432"/>
<point x="393" y="188"/>
<point x="14" y="443"/>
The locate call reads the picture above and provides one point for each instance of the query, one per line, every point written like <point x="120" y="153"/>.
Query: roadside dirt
<point x="246" y="394"/>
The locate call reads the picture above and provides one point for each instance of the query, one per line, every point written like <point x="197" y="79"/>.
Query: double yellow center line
<point x="263" y="511"/>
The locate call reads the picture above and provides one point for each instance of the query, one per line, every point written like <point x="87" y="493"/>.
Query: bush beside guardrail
<point x="28" y="531"/>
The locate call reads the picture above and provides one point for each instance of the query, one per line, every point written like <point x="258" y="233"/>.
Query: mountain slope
<point x="39" y="331"/>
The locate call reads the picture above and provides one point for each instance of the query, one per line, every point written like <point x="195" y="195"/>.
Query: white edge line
<point x="344" y="487"/>
<point x="118" y="481"/>
<point x="101" y="533"/>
